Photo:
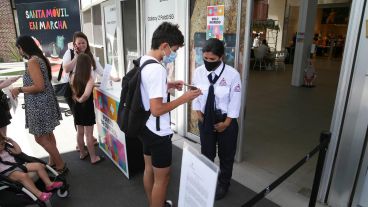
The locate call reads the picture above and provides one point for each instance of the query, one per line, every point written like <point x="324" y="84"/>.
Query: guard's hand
<point x="220" y="127"/>
<point x="192" y="94"/>
<point x="178" y="85"/>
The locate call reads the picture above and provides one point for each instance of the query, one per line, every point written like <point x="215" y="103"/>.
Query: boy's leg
<point x="148" y="178"/>
<point x="26" y="181"/>
<point x="161" y="161"/>
<point x="41" y="172"/>
<point x="161" y="181"/>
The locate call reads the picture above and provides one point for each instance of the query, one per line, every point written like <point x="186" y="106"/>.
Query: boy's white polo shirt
<point x="154" y="85"/>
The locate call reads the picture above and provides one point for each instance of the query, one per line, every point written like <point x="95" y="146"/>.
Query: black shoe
<point x="220" y="192"/>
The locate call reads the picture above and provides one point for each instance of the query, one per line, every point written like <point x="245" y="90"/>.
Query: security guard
<point x="218" y="109"/>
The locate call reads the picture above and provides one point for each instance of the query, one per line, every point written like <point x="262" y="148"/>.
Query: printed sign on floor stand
<point x="198" y="179"/>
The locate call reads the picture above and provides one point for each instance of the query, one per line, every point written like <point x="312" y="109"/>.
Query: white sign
<point x="106" y="77"/>
<point x="158" y="11"/>
<point x="198" y="179"/>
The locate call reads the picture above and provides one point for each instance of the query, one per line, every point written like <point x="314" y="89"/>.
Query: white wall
<point x="276" y="11"/>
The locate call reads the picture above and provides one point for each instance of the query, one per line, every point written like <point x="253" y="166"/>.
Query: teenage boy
<point x="156" y="136"/>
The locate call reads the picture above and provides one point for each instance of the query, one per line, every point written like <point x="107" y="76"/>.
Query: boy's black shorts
<point x="159" y="148"/>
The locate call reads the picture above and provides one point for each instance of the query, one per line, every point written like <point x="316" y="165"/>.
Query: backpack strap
<point x="158" y="118"/>
<point x="141" y="67"/>
<point x="13" y="165"/>
<point x="61" y="67"/>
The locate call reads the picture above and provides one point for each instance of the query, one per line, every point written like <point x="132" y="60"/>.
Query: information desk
<point x="126" y="153"/>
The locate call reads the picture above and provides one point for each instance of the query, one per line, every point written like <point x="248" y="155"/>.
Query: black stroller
<point x="13" y="194"/>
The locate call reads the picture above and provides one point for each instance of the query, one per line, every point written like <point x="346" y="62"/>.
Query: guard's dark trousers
<point x="226" y="143"/>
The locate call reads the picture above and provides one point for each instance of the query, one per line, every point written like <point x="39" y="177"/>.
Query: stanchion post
<point x="324" y="140"/>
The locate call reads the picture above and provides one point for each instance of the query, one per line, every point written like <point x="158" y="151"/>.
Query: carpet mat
<point x="104" y="185"/>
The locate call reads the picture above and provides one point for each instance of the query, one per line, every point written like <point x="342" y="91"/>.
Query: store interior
<point x="283" y="122"/>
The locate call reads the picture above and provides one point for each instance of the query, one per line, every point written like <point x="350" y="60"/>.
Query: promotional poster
<point x="51" y="23"/>
<point x="111" y="138"/>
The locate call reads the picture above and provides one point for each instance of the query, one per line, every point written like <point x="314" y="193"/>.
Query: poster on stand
<point x="198" y="179"/>
<point x="111" y="139"/>
<point x="52" y="25"/>
<point x="215" y="22"/>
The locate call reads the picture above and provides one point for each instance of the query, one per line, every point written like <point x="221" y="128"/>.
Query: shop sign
<point x="52" y="25"/>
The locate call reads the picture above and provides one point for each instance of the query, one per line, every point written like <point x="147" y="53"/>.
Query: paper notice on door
<point x="198" y="179"/>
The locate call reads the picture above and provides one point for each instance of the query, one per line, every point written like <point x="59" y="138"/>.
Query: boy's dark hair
<point x="168" y="33"/>
<point x="215" y="46"/>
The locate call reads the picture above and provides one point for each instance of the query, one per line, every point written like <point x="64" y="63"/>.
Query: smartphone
<point x="191" y="87"/>
<point x="76" y="48"/>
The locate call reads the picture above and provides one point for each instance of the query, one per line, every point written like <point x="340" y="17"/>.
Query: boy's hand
<point x="178" y="85"/>
<point x="192" y="94"/>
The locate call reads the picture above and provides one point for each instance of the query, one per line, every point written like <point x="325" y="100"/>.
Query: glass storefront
<point x="233" y="36"/>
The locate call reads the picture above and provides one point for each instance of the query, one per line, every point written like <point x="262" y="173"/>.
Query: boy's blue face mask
<point x="170" y="58"/>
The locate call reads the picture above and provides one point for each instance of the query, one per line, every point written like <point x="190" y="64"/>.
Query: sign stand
<point x="198" y="179"/>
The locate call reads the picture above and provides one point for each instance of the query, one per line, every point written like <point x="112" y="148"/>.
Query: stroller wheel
<point x="62" y="193"/>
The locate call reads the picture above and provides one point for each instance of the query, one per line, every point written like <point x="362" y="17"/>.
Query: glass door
<point x="230" y="30"/>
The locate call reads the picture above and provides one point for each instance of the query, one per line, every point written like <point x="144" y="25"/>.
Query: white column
<point x="307" y="16"/>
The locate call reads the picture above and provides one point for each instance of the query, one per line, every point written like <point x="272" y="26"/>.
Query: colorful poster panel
<point x="111" y="145"/>
<point x="215" y="22"/>
<point x="106" y="104"/>
<point x="111" y="138"/>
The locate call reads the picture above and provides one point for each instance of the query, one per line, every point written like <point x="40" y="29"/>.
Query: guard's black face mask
<point x="211" y="66"/>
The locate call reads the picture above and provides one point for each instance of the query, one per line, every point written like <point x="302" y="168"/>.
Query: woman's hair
<point x="215" y="46"/>
<point x="88" y="49"/>
<point x="82" y="74"/>
<point x="29" y="47"/>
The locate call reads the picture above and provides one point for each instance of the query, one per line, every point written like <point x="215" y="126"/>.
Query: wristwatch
<point x="20" y="90"/>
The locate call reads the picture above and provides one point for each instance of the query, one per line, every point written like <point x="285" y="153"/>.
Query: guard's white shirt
<point x="227" y="90"/>
<point x="67" y="58"/>
<point x="154" y="85"/>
